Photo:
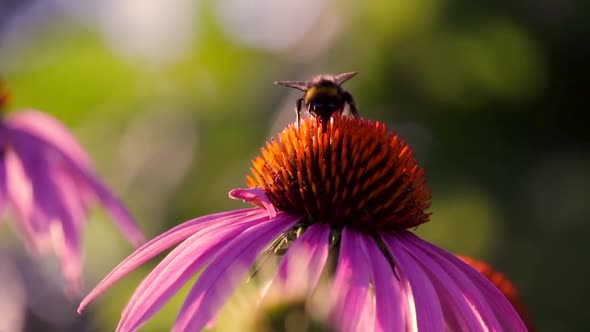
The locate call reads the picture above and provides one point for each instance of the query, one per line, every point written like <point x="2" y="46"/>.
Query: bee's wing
<point x="341" y="78"/>
<point x="299" y="85"/>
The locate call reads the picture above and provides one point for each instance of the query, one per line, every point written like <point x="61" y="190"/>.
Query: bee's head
<point x="322" y="95"/>
<point x="319" y="81"/>
<point x="322" y="90"/>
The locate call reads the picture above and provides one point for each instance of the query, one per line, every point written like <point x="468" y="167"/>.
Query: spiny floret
<point x="353" y="172"/>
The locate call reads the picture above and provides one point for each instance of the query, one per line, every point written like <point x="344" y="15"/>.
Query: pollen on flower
<point x="353" y="172"/>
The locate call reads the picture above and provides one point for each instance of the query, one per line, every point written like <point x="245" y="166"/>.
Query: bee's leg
<point x="350" y="101"/>
<point x="298" y="109"/>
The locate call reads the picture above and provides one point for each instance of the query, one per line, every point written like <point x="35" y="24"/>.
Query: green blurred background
<point x="173" y="99"/>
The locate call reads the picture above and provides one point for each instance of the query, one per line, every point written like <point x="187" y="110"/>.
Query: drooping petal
<point x="302" y="265"/>
<point x="444" y="270"/>
<point x="504" y="311"/>
<point x="180" y="265"/>
<point x="350" y="287"/>
<point x="71" y="195"/>
<point x="460" y="313"/>
<point x="30" y="218"/>
<point x="161" y="243"/>
<point x="219" y="279"/>
<point x="20" y="195"/>
<point x="390" y="305"/>
<point x="69" y="251"/>
<point x="50" y="130"/>
<point x="73" y="214"/>
<point x="503" y="284"/>
<point x="28" y="167"/>
<point x="112" y="205"/>
<point x="51" y="206"/>
<point x="427" y="314"/>
<point x="254" y="195"/>
<point x="38" y="169"/>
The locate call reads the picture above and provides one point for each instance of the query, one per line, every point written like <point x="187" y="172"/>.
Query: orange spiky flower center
<point x="349" y="172"/>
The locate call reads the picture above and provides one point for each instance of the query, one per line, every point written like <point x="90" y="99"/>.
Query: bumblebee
<point x="323" y="96"/>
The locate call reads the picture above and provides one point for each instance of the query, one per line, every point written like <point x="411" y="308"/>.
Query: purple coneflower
<point x="340" y="196"/>
<point x="47" y="184"/>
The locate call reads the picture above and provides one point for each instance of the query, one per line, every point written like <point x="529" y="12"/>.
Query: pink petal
<point x="40" y="171"/>
<point x="460" y="314"/>
<point x="70" y="256"/>
<point x="50" y="207"/>
<point x="111" y="204"/>
<point x="302" y="265"/>
<point x="504" y="311"/>
<point x="115" y="208"/>
<point x="350" y="288"/>
<point x="427" y="314"/>
<point x="180" y="265"/>
<point x="367" y="322"/>
<point x="390" y="302"/>
<point x="256" y="196"/>
<point x="19" y="194"/>
<point x="28" y="167"/>
<point x="51" y="210"/>
<point x="218" y="281"/>
<point x="72" y="214"/>
<point x="469" y="290"/>
<point x="161" y="243"/>
<point x="71" y="195"/>
<point x="49" y="129"/>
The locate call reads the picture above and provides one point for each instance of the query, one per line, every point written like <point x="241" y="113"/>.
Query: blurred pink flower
<point x="47" y="184"/>
<point x="340" y="196"/>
